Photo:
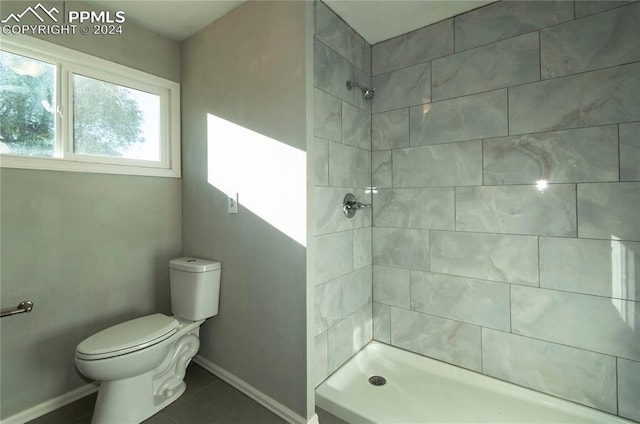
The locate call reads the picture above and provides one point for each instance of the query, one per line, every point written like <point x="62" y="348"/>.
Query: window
<point x="27" y="106"/>
<point x="65" y="110"/>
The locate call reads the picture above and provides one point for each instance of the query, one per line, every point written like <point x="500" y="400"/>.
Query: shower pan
<point x="421" y="390"/>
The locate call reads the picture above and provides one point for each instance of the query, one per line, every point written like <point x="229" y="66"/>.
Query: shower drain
<point x="377" y="380"/>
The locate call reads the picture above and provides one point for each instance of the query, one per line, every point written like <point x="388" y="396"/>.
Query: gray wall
<point x="90" y="250"/>
<point x="340" y="158"/>
<point x="473" y="264"/>
<point x="249" y="67"/>
<point x="160" y="53"/>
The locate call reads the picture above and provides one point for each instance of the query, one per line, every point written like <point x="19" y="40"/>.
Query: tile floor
<point x="207" y="400"/>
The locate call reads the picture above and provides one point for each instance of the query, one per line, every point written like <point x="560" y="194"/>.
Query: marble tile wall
<point x="592" y="153"/>
<point x="589" y="43"/>
<point x="513" y="61"/>
<point x="340" y="161"/>
<point x="475" y="261"/>
<point x="589" y="378"/>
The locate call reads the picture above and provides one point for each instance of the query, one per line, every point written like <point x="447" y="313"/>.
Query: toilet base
<point x="133" y="400"/>
<point x="130" y="401"/>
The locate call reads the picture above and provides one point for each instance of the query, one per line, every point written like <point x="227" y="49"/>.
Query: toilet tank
<point x="195" y="287"/>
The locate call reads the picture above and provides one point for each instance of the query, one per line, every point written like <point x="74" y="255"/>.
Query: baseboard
<point x="271" y="404"/>
<point x="51" y="405"/>
<point x="255" y="394"/>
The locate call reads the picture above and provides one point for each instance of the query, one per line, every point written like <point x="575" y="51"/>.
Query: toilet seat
<point x="127" y="337"/>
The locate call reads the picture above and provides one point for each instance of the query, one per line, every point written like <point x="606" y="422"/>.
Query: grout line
<point x="576" y="199"/>
<point x="482" y="143"/>
<point x="578" y="215"/>
<point x="539" y="55"/>
<point x="453" y="29"/>
<point x="431" y="250"/>
<point x="510" y="311"/>
<point x="538" y="243"/>
<point x="493" y="137"/>
<point x="555" y="343"/>
<point x="508" y="126"/>
<point x="390" y="338"/>
<point x="455" y="209"/>
<point x="481" y="351"/>
<point x="570" y="75"/>
<point x="391" y="164"/>
<point x="484" y="280"/>
<point x="430" y="85"/>
<point x="616" y="387"/>
<point x="619" y="155"/>
<point x="410" y="291"/>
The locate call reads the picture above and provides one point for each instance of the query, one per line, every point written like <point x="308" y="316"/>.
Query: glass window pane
<point x="27" y="106"/>
<point x="117" y="121"/>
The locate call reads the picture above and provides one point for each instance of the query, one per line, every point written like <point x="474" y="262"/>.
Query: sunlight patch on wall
<point x="622" y="280"/>
<point x="269" y="176"/>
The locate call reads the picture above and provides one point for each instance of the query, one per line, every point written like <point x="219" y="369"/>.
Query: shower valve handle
<point x="350" y="205"/>
<point x="356" y="205"/>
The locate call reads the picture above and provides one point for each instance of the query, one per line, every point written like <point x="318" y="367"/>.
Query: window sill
<point x="66" y="165"/>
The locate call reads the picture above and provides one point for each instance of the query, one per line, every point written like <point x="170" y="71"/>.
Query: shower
<point x="367" y="93"/>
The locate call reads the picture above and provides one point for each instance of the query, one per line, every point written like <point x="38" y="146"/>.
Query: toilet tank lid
<point x="130" y="334"/>
<point x="190" y="264"/>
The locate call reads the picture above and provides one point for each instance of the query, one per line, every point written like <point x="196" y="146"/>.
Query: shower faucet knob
<point x="350" y="205"/>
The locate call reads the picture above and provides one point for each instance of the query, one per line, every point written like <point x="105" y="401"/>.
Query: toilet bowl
<point x="141" y="363"/>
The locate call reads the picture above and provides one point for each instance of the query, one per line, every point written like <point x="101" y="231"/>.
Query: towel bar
<point x="24" y="306"/>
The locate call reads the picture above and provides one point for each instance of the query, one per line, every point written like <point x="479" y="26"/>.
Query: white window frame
<point x="69" y="62"/>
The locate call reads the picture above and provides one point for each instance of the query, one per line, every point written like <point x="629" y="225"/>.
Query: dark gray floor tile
<point x="83" y="407"/>
<point x="59" y="416"/>
<point x="197" y="378"/>
<point x="326" y="418"/>
<point x="207" y="400"/>
<point x="84" y="420"/>
<point x="208" y="405"/>
<point x="160" y="418"/>
<point x="252" y="414"/>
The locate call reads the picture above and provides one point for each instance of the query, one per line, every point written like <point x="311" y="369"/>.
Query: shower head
<point x="367" y="93"/>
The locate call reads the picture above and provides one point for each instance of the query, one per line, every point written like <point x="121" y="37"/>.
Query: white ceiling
<point x="378" y="20"/>
<point x="178" y="20"/>
<point x="375" y="20"/>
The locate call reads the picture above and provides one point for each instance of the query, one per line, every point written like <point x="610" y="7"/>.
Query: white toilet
<point x="141" y="363"/>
